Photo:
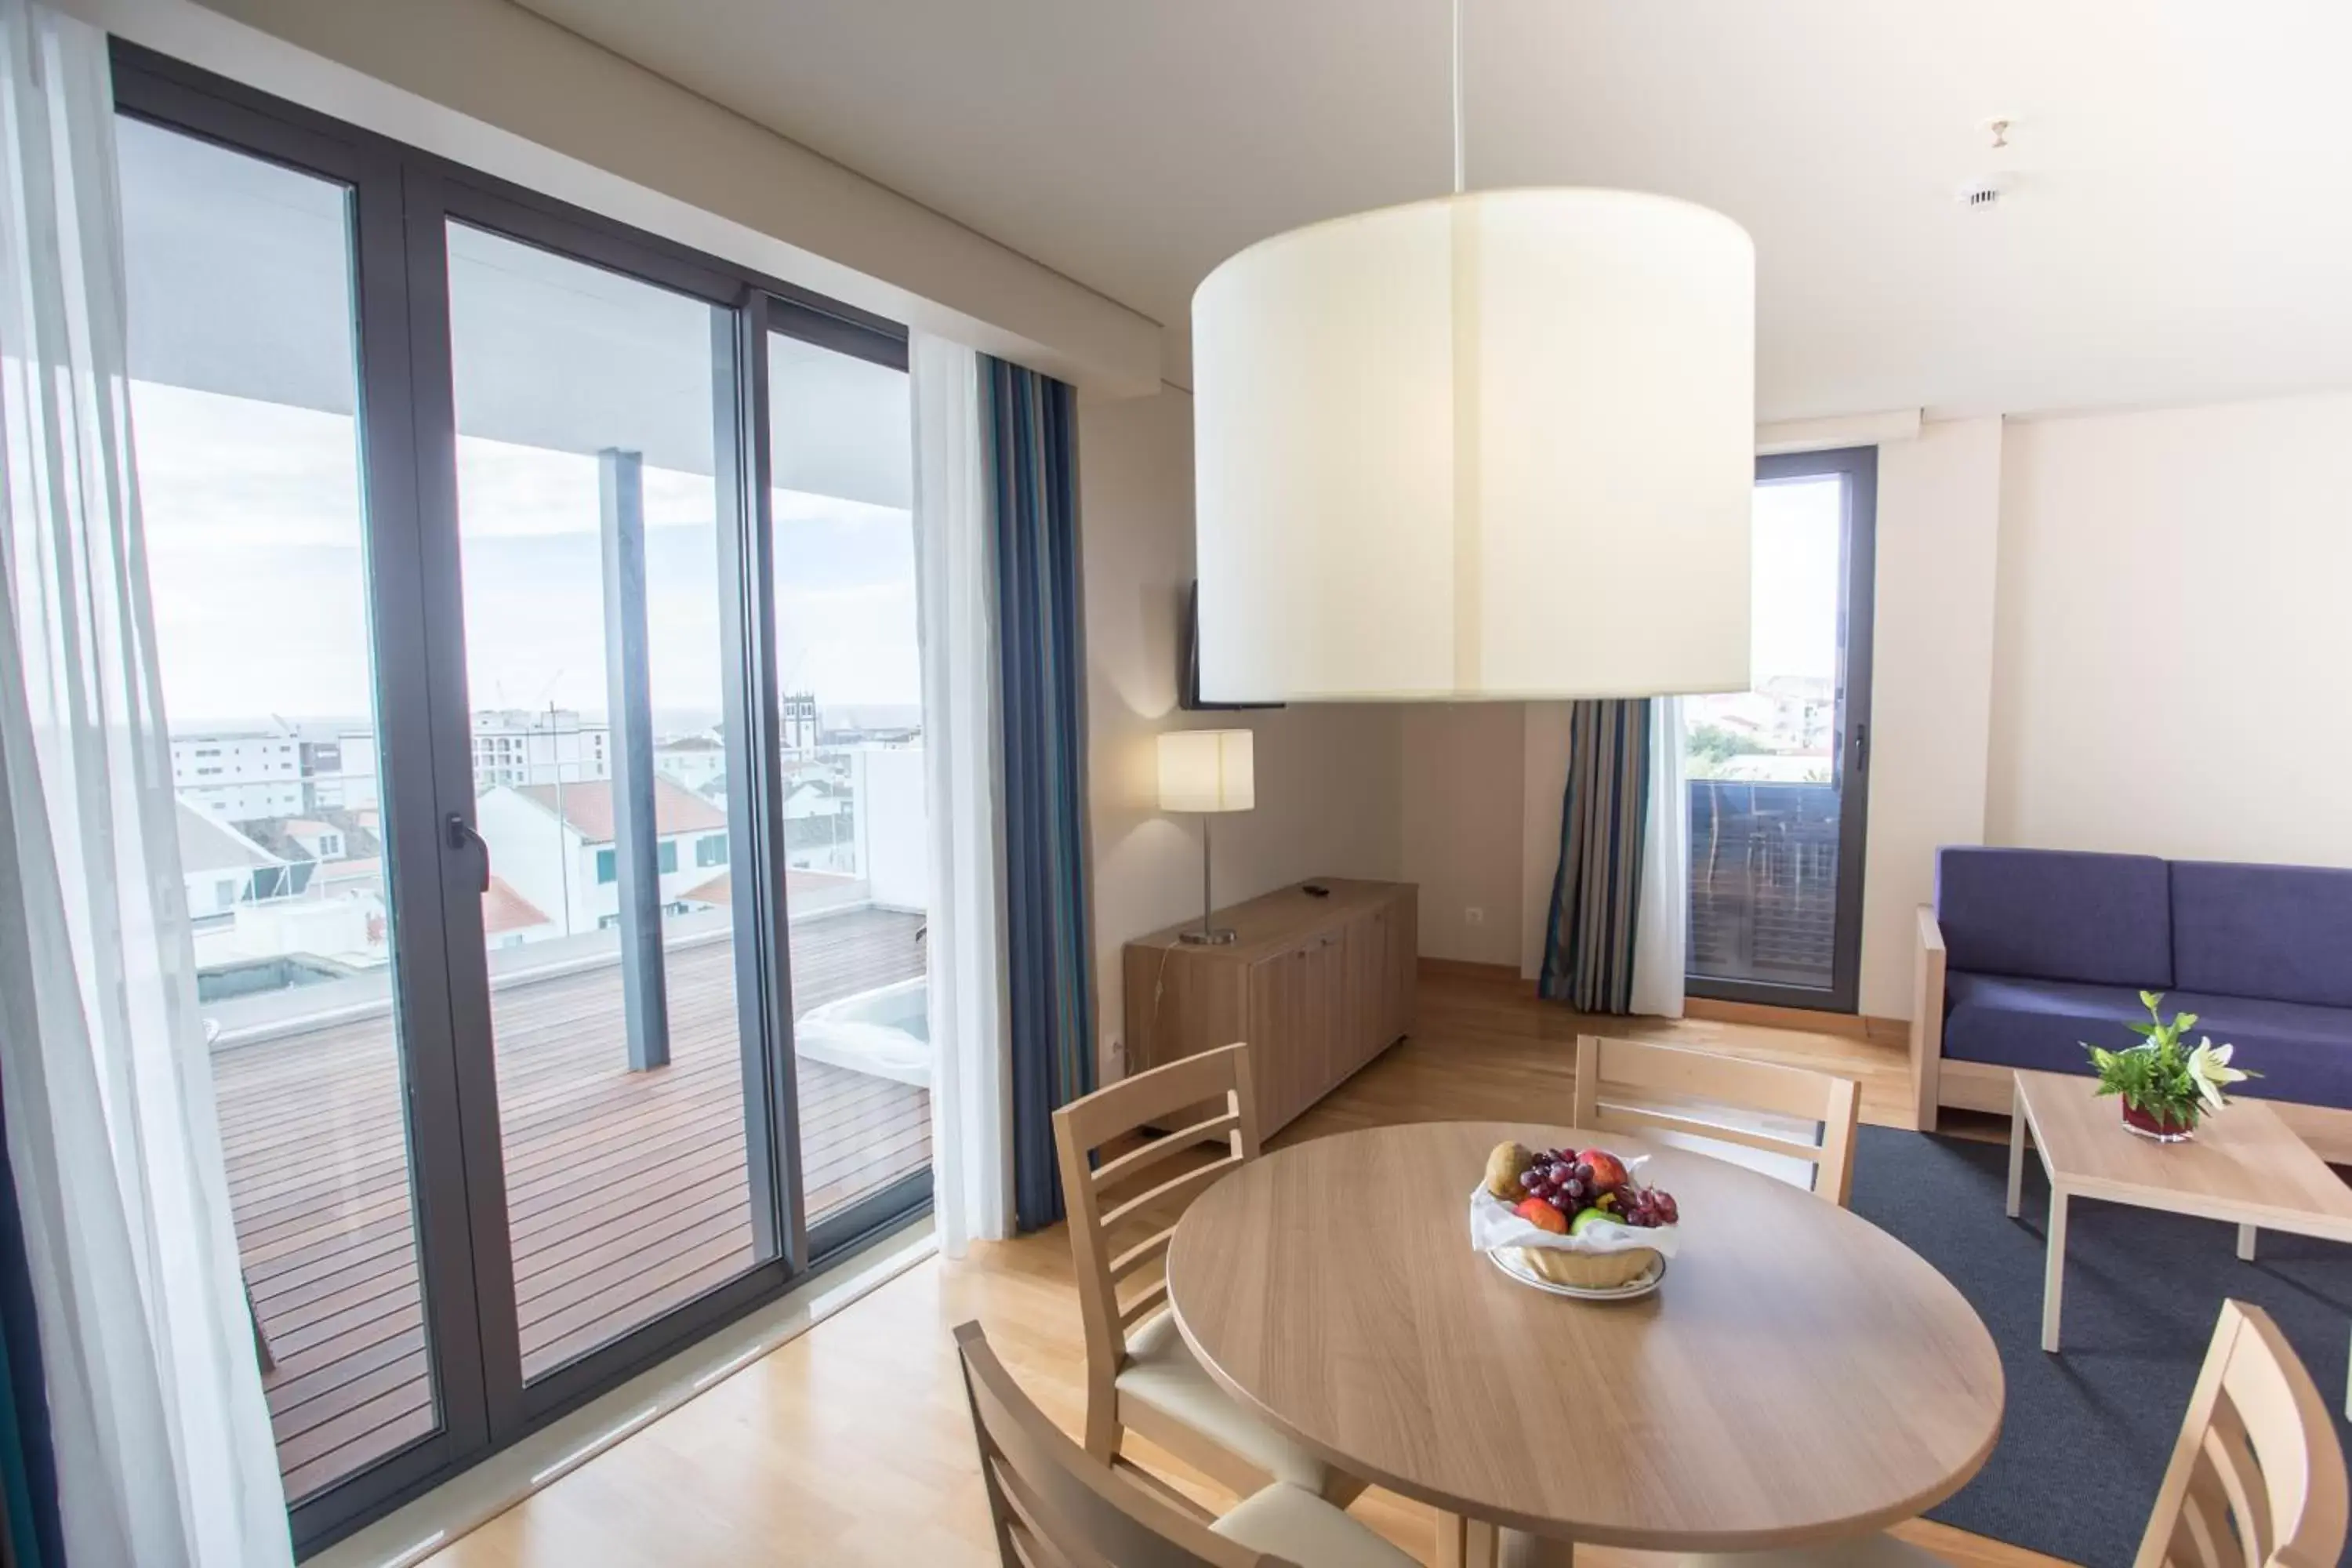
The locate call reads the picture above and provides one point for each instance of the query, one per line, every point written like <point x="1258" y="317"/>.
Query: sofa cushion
<point x="2056" y="914"/>
<point x="2020" y="1021"/>
<point x="2303" y="1053"/>
<point x="2282" y="932"/>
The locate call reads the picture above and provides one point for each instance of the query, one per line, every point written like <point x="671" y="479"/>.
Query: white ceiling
<point x="2179" y="225"/>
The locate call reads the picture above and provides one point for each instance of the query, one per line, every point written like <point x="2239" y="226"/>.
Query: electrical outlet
<point x="1473" y="916"/>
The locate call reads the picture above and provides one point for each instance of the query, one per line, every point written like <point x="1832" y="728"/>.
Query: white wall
<point x="2175" y="633"/>
<point x="894" y="821"/>
<point x="1461" y="829"/>
<point x="500" y="89"/>
<point x="1329" y="789"/>
<point x="1931" y="697"/>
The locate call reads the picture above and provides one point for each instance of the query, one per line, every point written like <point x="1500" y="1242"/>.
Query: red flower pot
<point x="2162" y="1131"/>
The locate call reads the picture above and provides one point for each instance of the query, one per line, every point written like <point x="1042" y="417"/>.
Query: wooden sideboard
<point x="1317" y="986"/>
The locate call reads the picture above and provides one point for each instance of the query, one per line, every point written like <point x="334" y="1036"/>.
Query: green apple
<point x="1586" y="1217"/>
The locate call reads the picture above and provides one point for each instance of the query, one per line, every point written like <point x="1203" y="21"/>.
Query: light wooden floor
<point x="852" y="1446"/>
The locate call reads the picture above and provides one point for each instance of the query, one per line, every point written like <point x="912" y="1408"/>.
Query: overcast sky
<point x="253" y="525"/>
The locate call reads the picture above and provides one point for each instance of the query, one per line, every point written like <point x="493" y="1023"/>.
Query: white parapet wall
<point x="893" y="827"/>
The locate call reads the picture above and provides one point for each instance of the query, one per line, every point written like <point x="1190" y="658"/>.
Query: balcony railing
<point x="1763" y="881"/>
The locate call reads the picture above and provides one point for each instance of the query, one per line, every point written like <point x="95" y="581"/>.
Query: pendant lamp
<point x="1495" y="444"/>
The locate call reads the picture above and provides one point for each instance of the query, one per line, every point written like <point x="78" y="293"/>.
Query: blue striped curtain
<point x="31" y="1534"/>
<point x="1032" y="438"/>
<point x="1596" y="893"/>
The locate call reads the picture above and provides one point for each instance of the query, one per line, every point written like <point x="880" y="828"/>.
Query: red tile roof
<point x="588" y="808"/>
<point x="504" y="910"/>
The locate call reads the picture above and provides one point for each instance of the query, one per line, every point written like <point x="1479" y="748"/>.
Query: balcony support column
<point x="637" y="839"/>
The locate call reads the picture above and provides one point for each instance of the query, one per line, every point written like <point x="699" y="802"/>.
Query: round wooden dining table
<point x="1799" y="1376"/>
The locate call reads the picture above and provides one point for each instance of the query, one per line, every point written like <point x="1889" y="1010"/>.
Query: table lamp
<point x="1207" y="771"/>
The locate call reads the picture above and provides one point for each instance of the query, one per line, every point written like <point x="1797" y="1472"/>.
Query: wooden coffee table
<point x="2245" y="1166"/>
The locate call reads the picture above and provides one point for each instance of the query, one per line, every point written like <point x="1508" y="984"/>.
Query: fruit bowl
<point x="1579" y="1219"/>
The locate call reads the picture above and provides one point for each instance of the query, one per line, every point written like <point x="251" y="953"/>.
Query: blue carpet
<point x="2086" y="1433"/>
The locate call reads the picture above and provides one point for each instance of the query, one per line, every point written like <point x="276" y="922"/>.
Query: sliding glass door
<point x="850" y="763"/>
<point x="1780" y="773"/>
<point x="587" y="519"/>
<point x="538" y="643"/>
<point x="244" y="396"/>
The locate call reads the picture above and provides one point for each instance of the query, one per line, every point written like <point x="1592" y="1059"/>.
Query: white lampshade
<point x="1491" y="446"/>
<point x="1206" y="770"/>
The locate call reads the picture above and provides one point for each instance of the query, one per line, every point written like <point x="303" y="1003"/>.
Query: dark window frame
<point x="400" y="198"/>
<point x="1858" y="556"/>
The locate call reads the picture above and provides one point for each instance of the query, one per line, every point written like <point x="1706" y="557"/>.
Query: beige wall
<point x="1329" y="800"/>
<point x="1931" y="694"/>
<point x="1460" y="830"/>
<point x="2176" y="633"/>
<point x="500" y="89"/>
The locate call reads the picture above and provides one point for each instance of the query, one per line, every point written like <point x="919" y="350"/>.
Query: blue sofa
<point x="2026" y="954"/>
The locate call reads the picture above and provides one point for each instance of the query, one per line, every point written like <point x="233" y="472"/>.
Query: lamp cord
<point x="1461" y="166"/>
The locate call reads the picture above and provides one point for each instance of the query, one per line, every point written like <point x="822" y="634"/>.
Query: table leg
<point x="2246" y="1234"/>
<point x="1516" y="1549"/>
<point x="1464" y="1543"/>
<point x="2017" y="1137"/>
<point x="2054" y="1271"/>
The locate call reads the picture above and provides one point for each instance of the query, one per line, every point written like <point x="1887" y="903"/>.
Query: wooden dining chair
<point x="1124" y="1191"/>
<point x="1052" y="1504"/>
<point x="2256" y="1479"/>
<point x="1788" y="1121"/>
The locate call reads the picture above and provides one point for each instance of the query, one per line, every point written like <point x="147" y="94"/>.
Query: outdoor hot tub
<point x="885" y="1033"/>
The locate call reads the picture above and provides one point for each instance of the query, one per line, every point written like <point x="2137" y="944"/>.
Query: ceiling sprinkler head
<point x="1997" y="130"/>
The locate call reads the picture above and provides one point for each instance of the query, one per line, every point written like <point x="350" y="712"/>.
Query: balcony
<point x="625" y="1190"/>
<point x="1763" y="881"/>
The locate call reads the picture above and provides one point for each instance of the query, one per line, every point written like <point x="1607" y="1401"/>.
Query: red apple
<point x="1607" y="1170"/>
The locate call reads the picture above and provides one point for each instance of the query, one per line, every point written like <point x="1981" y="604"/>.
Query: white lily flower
<point x="2208" y="1065"/>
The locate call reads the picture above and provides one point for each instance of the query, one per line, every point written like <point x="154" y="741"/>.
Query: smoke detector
<point x="1979" y="194"/>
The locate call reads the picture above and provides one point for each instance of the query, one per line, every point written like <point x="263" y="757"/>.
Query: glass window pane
<point x="1764" y="791"/>
<point x="242" y="394"/>
<point x="857" y="846"/>
<point x="587" y="527"/>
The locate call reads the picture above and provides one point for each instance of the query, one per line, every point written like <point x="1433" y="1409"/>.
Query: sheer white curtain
<point x="971" y="1159"/>
<point x="1661" y="929"/>
<point x="163" y="1447"/>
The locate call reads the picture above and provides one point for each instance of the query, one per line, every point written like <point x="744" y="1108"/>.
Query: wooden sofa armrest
<point x="1927" y="1020"/>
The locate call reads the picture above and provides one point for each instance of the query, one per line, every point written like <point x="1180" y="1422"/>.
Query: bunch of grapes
<point x="1567" y="1184"/>
<point x="1646" y="1208"/>
<point x="1560" y="1180"/>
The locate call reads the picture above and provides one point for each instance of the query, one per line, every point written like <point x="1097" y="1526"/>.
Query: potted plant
<point x="2165" y="1089"/>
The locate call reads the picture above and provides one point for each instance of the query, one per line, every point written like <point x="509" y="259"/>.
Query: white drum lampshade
<point x="1206" y="770"/>
<point x="1499" y="445"/>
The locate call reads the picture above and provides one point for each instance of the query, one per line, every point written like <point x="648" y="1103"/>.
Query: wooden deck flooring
<point x="627" y="1191"/>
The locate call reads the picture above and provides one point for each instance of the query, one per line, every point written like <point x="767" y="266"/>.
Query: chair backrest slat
<point x="1055" y="1506"/>
<point x="2257" y="1477"/>
<point x="1150" y="1098"/>
<point x="1630" y="1086"/>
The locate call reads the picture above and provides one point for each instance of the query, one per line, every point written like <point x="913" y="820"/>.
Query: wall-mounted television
<point x="1188" y="688"/>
